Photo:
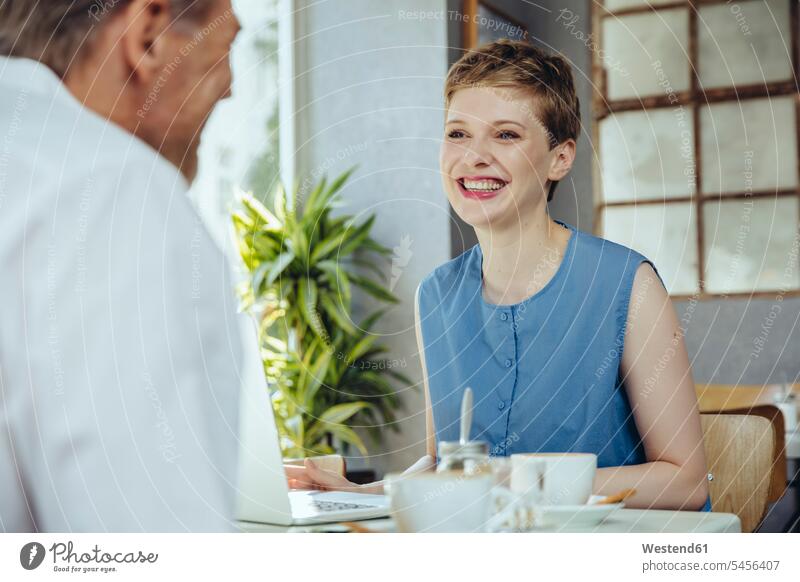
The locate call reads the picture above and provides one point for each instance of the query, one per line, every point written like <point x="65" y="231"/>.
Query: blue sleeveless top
<point x="544" y="372"/>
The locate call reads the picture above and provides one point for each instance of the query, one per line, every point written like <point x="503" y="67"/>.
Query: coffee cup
<point x="443" y="502"/>
<point x="554" y="478"/>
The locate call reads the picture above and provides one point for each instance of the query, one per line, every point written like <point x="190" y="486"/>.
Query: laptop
<point x="264" y="495"/>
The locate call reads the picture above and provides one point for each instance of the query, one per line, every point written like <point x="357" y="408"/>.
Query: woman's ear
<point x="143" y="40"/>
<point x="563" y="157"/>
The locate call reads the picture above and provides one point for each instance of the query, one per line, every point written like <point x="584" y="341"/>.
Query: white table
<point x="621" y="521"/>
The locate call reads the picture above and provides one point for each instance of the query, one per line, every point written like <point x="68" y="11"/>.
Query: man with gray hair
<point x="120" y="348"/>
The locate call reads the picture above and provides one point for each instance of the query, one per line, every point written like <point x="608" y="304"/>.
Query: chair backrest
<point x="744" y="451"/>
<point x="716" y="397"/>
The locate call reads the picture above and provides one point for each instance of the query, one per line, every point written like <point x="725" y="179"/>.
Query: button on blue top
<point x="565" y="346"/>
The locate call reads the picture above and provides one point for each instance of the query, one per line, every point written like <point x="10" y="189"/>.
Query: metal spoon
<point x="466" y="415"/>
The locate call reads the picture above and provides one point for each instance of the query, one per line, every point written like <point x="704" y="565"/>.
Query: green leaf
<point x="369" y="265"/>
<point x="357" y="237"/>
<point x="361" y="347"/>
<point x="376" y="379"/>
<point x="312" y="205"/>
<point x="281" y="210"/>
<point x="307" y="298"/>
<point x="343" y="177"/>
<point x="294" y="428"/>
<point x="330" y="194"/>
<point x="242" y="222"/>
<point x="374" y="246"/>
<point x="341" y="412"/>
<point x="371" y="319"/>
<point x="279" y="266"/>
<point x="259" y="212"/>
<point x="335" y="313"/>
<point x="276" y="344"/>
<point x="299" y="245"/>
<point x="371" y="354"/>
<point x="339" y="279"/>
<point x="405" y="380"/>
<point x="316" y="375"/>
<point x="327" y="246"/>
<point x="258" y="276"/>
<point x="266" y="247"/>
<point x="377" y="291"/>
<point x="348" y="435"/>
<point x="337" y="225"/>
<point x="332" y="421"/>
<point x="305" y="365"/>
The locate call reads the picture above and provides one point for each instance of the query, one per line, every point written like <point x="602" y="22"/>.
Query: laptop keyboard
<point x="337" y="506"/>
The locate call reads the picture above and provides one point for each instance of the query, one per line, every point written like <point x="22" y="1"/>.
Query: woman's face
<point x="495" y="160"/>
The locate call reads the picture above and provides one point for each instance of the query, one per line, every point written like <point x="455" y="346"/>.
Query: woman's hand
<point x="310" y="476"/>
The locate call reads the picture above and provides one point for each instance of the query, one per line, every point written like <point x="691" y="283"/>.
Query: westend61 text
<point x="670" y="549"/>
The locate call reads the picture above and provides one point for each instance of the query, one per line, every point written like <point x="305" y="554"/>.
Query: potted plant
<point x="327" y="374"/>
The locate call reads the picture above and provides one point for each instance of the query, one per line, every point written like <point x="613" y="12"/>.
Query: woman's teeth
<point x="483" y="185"/>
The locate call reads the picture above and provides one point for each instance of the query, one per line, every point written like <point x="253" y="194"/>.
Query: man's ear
<point x="143" y="41"/>
<point x="563" y="157"/>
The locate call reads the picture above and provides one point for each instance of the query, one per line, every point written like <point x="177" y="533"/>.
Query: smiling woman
<point x="538" y="313"/>
<point x="562" y="335"/>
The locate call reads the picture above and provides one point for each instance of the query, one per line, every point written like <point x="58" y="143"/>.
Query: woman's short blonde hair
<point x="520" y="65"/>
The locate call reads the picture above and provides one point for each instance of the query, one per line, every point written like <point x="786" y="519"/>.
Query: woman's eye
<point x="456" y="134"/>
<point x="507" y="135"/>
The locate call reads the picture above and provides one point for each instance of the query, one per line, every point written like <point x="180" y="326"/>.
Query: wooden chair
<point x="744" y="451"/>
<point x="716" y="397"/>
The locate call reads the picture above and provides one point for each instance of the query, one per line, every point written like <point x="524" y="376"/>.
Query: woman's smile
<point x="481" y="187"/>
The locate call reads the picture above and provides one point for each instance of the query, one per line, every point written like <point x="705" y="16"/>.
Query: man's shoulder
<point x="57" y="146"/>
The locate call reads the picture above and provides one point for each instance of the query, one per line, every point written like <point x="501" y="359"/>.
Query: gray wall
<point x="369" y="83"/>
<point x="740" y="341"/>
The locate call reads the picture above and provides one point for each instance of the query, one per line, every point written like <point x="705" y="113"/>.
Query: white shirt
<point x="120" y="353"/>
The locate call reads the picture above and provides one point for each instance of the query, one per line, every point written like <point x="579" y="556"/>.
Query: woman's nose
<point x="477" y="154"/>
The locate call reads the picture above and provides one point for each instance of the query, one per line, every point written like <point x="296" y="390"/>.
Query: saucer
<point x="587" y="515"/>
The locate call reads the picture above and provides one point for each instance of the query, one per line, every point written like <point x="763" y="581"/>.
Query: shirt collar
<point x="32" y="76"/>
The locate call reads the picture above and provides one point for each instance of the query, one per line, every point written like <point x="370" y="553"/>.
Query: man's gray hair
<point x="55" y="32"/>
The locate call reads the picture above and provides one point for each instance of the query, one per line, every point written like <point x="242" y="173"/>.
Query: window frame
<point x="470" y="9"/>
<point x="693" y="100"/>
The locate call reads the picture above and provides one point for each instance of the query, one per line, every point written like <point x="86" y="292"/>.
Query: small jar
<point x="470" y="458"/>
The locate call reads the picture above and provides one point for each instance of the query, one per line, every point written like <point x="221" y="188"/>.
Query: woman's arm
<point x="430" y="429"/>
<point x="658" y="381"/>
<point x="311" y="476"/>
